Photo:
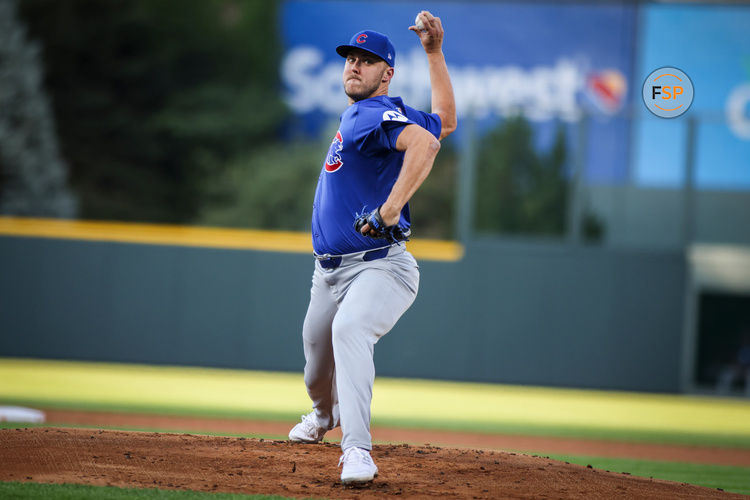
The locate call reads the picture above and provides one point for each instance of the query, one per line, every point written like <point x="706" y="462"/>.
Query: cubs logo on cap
<point x="373" y="42"/>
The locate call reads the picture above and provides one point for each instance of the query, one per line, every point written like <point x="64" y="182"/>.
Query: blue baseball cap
<point x="372" y="42"/>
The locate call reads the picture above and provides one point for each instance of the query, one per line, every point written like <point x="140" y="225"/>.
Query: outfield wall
<point x="527" y="314"/>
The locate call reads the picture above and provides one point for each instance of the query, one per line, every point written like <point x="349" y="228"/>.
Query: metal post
<point x="692" y="291"/>
<point x="465" y="189"/>
<point x="575" y="203"/>
<point x="688" y="216"/>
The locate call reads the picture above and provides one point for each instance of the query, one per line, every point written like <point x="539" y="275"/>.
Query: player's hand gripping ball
<point x="418" y="23"/>
<point x="430" y="31"/>
<point x="378" y="229"/>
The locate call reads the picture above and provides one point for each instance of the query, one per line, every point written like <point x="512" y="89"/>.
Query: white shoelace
<point x="309" y="422"/>
<point x="360" y="455"/>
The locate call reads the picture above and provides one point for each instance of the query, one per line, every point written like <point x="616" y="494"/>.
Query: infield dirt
<point x="448" y="439"/>
<point x="240" y="465"/>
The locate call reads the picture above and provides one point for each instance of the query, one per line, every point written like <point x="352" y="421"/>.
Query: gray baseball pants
<point x="351" y="307"/>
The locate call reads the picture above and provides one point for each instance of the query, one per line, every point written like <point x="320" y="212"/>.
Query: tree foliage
<point x="519" y="190"/>
<point x="171" y="111"/>
<point x="33" y="176"/>
<point x="270" y="188"/>
<point x="151" y="95"/>
<point x="433" y="205"/>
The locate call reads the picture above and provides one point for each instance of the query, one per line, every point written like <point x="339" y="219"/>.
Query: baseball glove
<point x="392" y="233"/>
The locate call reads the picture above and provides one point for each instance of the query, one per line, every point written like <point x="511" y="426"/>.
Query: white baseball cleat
<point x="307" y="431"/>
<point x="358" y="466"/>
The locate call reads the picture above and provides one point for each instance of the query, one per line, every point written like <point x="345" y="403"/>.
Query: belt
<point x="331" y="262"/>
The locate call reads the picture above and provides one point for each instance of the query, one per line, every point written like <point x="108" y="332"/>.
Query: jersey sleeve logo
<point x="333" y="160"/>
<point x="394" y="116"/>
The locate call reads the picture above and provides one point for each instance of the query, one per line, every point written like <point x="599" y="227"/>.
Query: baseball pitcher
<point x="364" y="279"/>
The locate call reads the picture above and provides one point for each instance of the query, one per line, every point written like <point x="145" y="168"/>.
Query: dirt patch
<point x="239" y="465"/>
<point x="532" y="444"/>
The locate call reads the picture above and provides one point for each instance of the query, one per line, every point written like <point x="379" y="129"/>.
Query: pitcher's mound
<point x="238" y="465"/>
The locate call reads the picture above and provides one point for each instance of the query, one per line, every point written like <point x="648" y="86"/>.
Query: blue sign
<point x="710" y="44"/>
<point x="552" y="63"/>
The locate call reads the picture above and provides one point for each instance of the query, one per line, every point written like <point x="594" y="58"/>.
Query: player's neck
<point x="382" y="91"/>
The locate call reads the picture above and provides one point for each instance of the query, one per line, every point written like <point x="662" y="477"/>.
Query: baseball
<point x="418" y="23"/>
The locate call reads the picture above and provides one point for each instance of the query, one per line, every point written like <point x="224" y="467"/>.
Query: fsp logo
<point x="668" y="92"/>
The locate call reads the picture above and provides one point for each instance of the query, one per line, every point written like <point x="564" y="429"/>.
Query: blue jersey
<point x="360" y="170"/>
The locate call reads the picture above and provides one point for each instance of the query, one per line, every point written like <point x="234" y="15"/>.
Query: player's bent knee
<point x="353" y="331"/>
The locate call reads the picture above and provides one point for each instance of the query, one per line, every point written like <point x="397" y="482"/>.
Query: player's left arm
<point x="443" y="100"/>
<point x="420" y="149"/>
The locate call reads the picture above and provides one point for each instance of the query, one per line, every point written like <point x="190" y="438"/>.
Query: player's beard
<point x="363" y="92"/>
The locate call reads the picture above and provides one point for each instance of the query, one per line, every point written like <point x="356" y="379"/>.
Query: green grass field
<point x="734" y="479"/>
<point x="654" y="418"/>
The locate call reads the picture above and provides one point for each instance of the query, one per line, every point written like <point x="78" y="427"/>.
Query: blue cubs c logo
<point x="333" y="160"/>
<point x="362" y="38"/>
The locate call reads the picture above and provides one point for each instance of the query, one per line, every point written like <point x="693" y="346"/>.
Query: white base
<point x="20" y="414"/>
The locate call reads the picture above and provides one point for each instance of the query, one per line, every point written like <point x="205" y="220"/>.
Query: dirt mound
<point x="239" y="465"/>
<point x="452" y="439"/>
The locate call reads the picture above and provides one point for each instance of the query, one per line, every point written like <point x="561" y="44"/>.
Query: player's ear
<point x="387" y="74"/>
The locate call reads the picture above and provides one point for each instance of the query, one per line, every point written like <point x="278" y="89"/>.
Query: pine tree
<point x="33" y="176"/>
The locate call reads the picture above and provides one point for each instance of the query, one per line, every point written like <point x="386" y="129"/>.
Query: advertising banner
<point x="552" y="63"/>
<point x="711" y="45"/>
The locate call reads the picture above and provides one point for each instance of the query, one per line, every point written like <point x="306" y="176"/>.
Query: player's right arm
<point x="443" y="100"/>
<point x="420" y="149"/>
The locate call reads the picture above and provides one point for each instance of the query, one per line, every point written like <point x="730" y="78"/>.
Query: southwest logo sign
<point x="563" y="89"/>
<point x="607" y="89"/>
